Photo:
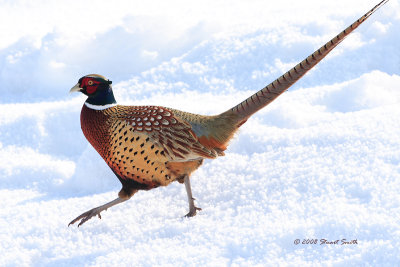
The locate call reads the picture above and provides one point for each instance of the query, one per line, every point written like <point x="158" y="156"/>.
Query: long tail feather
<point x="266" y="95"/>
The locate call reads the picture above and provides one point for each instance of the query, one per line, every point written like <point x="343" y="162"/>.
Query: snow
<point x="320" y="162"/>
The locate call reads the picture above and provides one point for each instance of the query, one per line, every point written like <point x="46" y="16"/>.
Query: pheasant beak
<point x="76" y="88"/>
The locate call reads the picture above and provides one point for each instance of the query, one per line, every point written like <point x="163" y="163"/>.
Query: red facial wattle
<point x="90" y="85"/>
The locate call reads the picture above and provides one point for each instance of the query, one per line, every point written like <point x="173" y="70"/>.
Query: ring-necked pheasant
<point x="150" y="146"/>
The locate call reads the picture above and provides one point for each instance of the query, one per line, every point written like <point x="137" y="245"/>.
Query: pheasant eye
<point x="90" y="82"/>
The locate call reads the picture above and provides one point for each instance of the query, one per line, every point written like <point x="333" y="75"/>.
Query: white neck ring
<point x="99" y="107"/>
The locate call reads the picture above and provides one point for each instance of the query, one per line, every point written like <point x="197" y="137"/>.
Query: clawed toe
<point x="192" y="212"/>
<point x="84" y="217"/>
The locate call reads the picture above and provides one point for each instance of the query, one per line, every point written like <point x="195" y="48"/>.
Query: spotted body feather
<point x="146" y="143"/>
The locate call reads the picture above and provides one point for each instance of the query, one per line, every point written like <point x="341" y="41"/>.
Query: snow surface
<point x="321" y="162"/>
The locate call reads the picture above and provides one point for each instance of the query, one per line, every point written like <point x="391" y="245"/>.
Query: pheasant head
<point x="97" y="88"/>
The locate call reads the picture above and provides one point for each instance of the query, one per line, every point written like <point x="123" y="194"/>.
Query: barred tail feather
<point x="266" y="95"/>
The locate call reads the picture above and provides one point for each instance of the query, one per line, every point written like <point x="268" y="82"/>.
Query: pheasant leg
<point x="192" y="207"/>
<point x="84" y="217"/>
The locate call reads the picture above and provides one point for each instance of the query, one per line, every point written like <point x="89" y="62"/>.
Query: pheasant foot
<point x="192" y="212"/>
<point x="84" y="217"/>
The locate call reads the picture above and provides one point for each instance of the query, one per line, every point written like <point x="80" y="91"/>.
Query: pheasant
<point x="151" y="146"/>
